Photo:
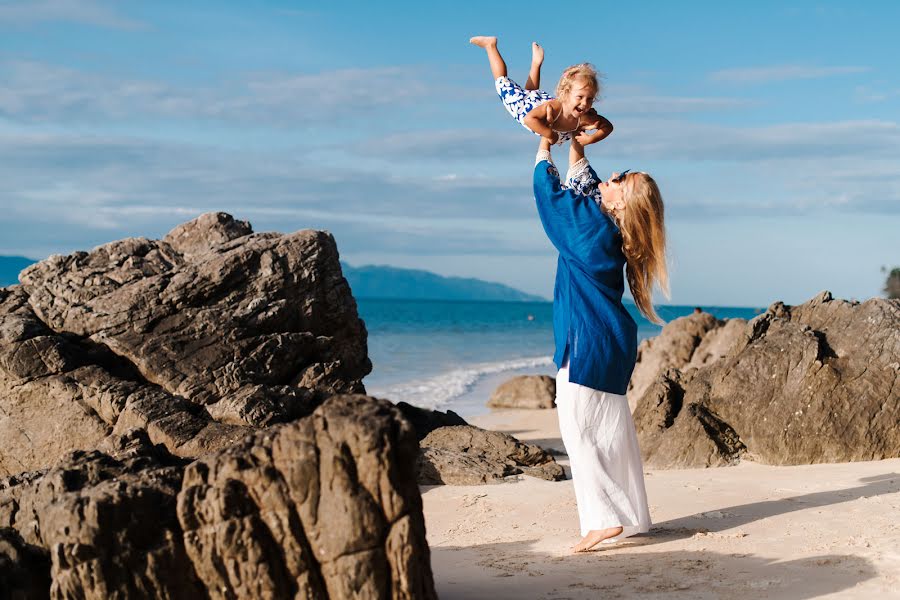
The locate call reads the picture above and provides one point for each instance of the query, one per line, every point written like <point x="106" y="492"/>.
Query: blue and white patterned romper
<point x="519" y="102"/>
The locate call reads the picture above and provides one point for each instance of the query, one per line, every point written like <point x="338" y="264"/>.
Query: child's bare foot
<point x="483" y="41"/>
<point x="537" y="54"/>
<point x="594" y="537"/>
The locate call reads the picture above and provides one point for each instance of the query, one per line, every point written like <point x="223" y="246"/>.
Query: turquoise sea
<point x="451" y="354"/>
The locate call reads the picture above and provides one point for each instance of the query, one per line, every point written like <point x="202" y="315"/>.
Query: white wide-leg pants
<point x="600" y="439"/>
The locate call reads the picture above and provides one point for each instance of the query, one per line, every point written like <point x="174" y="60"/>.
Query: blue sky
<point x="771" y="129"/>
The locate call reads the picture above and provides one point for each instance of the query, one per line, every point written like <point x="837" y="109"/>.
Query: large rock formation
<point x="120" y="365"/>
<point x="24" y="569"/>
<point x="469" y="455"/>
<point x="685" y="343"/>
<point x="197" y="338"/>
<point x="452" y="452"/>
<point x="817" y="382"/>
<point x="525" y="391"/>
<point x="326" y="506"/>
<point x="424" y="420"/>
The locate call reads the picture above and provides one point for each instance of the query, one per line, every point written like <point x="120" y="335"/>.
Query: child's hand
<point x="584" y="139"/>
<point x="598" y="124"/>
<point x="592" y="120"/>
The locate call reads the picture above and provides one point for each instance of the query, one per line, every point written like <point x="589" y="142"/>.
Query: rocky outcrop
<point x="24" y="569"/>
<point x="424" y="421"/>
<point x="199" y="338"/>
<point x="717" y="343"/>
<point x="334" y="494"/>
<point x="469" y="455"/>
<point x="684" y="343"/>
<point x="817" y="382"/>
<point x="108" y="521"/>
<point x="453" y="452"/>
<point x="326" y="506"/>
<point x="59" y="392"/>
<point x="525" y="391"/>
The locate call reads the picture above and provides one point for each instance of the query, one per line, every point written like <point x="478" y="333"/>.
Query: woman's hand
<point x="538" y="121"/>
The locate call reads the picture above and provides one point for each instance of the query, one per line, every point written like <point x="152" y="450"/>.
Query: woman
<point x="599" y="228"/>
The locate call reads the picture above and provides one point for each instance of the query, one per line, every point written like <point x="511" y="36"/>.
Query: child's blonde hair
<point x="584" y="72"/>
<point x="643" y="228"/>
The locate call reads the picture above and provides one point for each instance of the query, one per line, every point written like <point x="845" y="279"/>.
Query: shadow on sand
<point x="515" y="570"/>
<point x="512" y="570"/>
<point x="741" y="514"/>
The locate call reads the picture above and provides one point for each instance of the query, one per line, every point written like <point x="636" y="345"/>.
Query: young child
<point x="558" y="118"/>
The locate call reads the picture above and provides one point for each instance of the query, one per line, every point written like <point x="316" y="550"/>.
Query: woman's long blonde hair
<point x="643" y="228"/>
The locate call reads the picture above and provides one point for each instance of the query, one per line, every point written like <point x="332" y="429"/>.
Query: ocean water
<point x="452" y="354"/>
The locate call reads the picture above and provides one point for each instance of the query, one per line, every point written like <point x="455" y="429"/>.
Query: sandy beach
<point x="749" y="531"/>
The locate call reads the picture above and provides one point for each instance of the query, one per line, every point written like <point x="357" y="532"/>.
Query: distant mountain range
<point x="371" y="282"/>
<point x="375" y="281"/>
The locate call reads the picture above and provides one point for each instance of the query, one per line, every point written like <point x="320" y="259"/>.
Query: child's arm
<point x="601" y="124"/>
<point x="538" y="120"/>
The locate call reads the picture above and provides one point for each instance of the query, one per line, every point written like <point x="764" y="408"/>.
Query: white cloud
<point x="86" y="12"/>
<point x="451" y="144"/>
<point x="34" y="91"/>
<point x="107" y="175"/>
<point x="656" y="105"/>
<point x="63" y="192"/>
<point x="629" y="99"/>
<point x="39" y="92"/>
<point x="660" y="139"/>
<point x="79" y="191"/>
<point x="773" y="73"/>
<point x="870" y="95"/>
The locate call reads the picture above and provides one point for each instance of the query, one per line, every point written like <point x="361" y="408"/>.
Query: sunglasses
<point x="620" y="176"/>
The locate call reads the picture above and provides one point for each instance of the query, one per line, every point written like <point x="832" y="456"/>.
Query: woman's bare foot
<point x="594" y="537"/>
<point x="483" y="41"/>
<point x="537" y="54"/>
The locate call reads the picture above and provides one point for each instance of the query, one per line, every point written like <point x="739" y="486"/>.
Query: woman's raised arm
<point x="543" y="152"/>
<point x="574" y="222"/>
<point x="581" y="177"/>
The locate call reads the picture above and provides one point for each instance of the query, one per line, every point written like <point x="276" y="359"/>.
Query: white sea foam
<point x="436" y="392"/>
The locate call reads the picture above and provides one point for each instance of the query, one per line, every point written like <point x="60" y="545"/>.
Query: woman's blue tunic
<point x="589" y="319"/>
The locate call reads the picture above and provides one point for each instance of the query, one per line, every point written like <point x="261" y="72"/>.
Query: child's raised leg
<point x="489" y="43"/>
<point x="537" y="59"/>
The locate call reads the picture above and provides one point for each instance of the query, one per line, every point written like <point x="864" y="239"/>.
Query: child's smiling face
<point x="579" y="100"/>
